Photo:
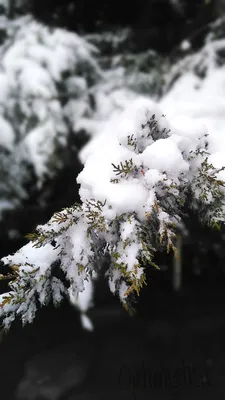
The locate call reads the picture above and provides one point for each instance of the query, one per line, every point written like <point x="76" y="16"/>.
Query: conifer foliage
<point x="135" y="191"/>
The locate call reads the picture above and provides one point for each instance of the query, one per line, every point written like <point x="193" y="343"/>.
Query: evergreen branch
<point x="124" y="168"/>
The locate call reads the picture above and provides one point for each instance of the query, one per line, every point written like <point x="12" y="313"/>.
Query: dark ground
<point x="176" y="350"/>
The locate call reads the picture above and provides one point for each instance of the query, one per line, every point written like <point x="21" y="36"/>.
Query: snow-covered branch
<point x="135" y="188"/>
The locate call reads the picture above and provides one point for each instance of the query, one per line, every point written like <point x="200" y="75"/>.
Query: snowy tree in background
<point x="136" y="187"/>
<point x="45" y="75"/>
<point x="141" y="72"/>
<point x="200" y="65"/>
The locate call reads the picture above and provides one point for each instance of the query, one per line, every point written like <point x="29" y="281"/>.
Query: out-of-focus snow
<point x="5" y="205"/>
<point x="83" y="302"/>
<point x="40" y="69"/>
<point x="197" y="94"/>
<point x="201" y="103"/>
<point x="7" y="136"/>
<point x="185" y="45"/>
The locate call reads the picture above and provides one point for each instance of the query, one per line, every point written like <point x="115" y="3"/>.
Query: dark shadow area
<point x="175" y="348"/>
<point x="159" y="24"/>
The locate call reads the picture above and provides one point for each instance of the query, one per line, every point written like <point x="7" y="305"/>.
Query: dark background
<point x="157" y="24"/>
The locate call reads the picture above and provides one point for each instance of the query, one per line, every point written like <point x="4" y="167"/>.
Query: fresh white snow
<point x="194" y="107"/>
